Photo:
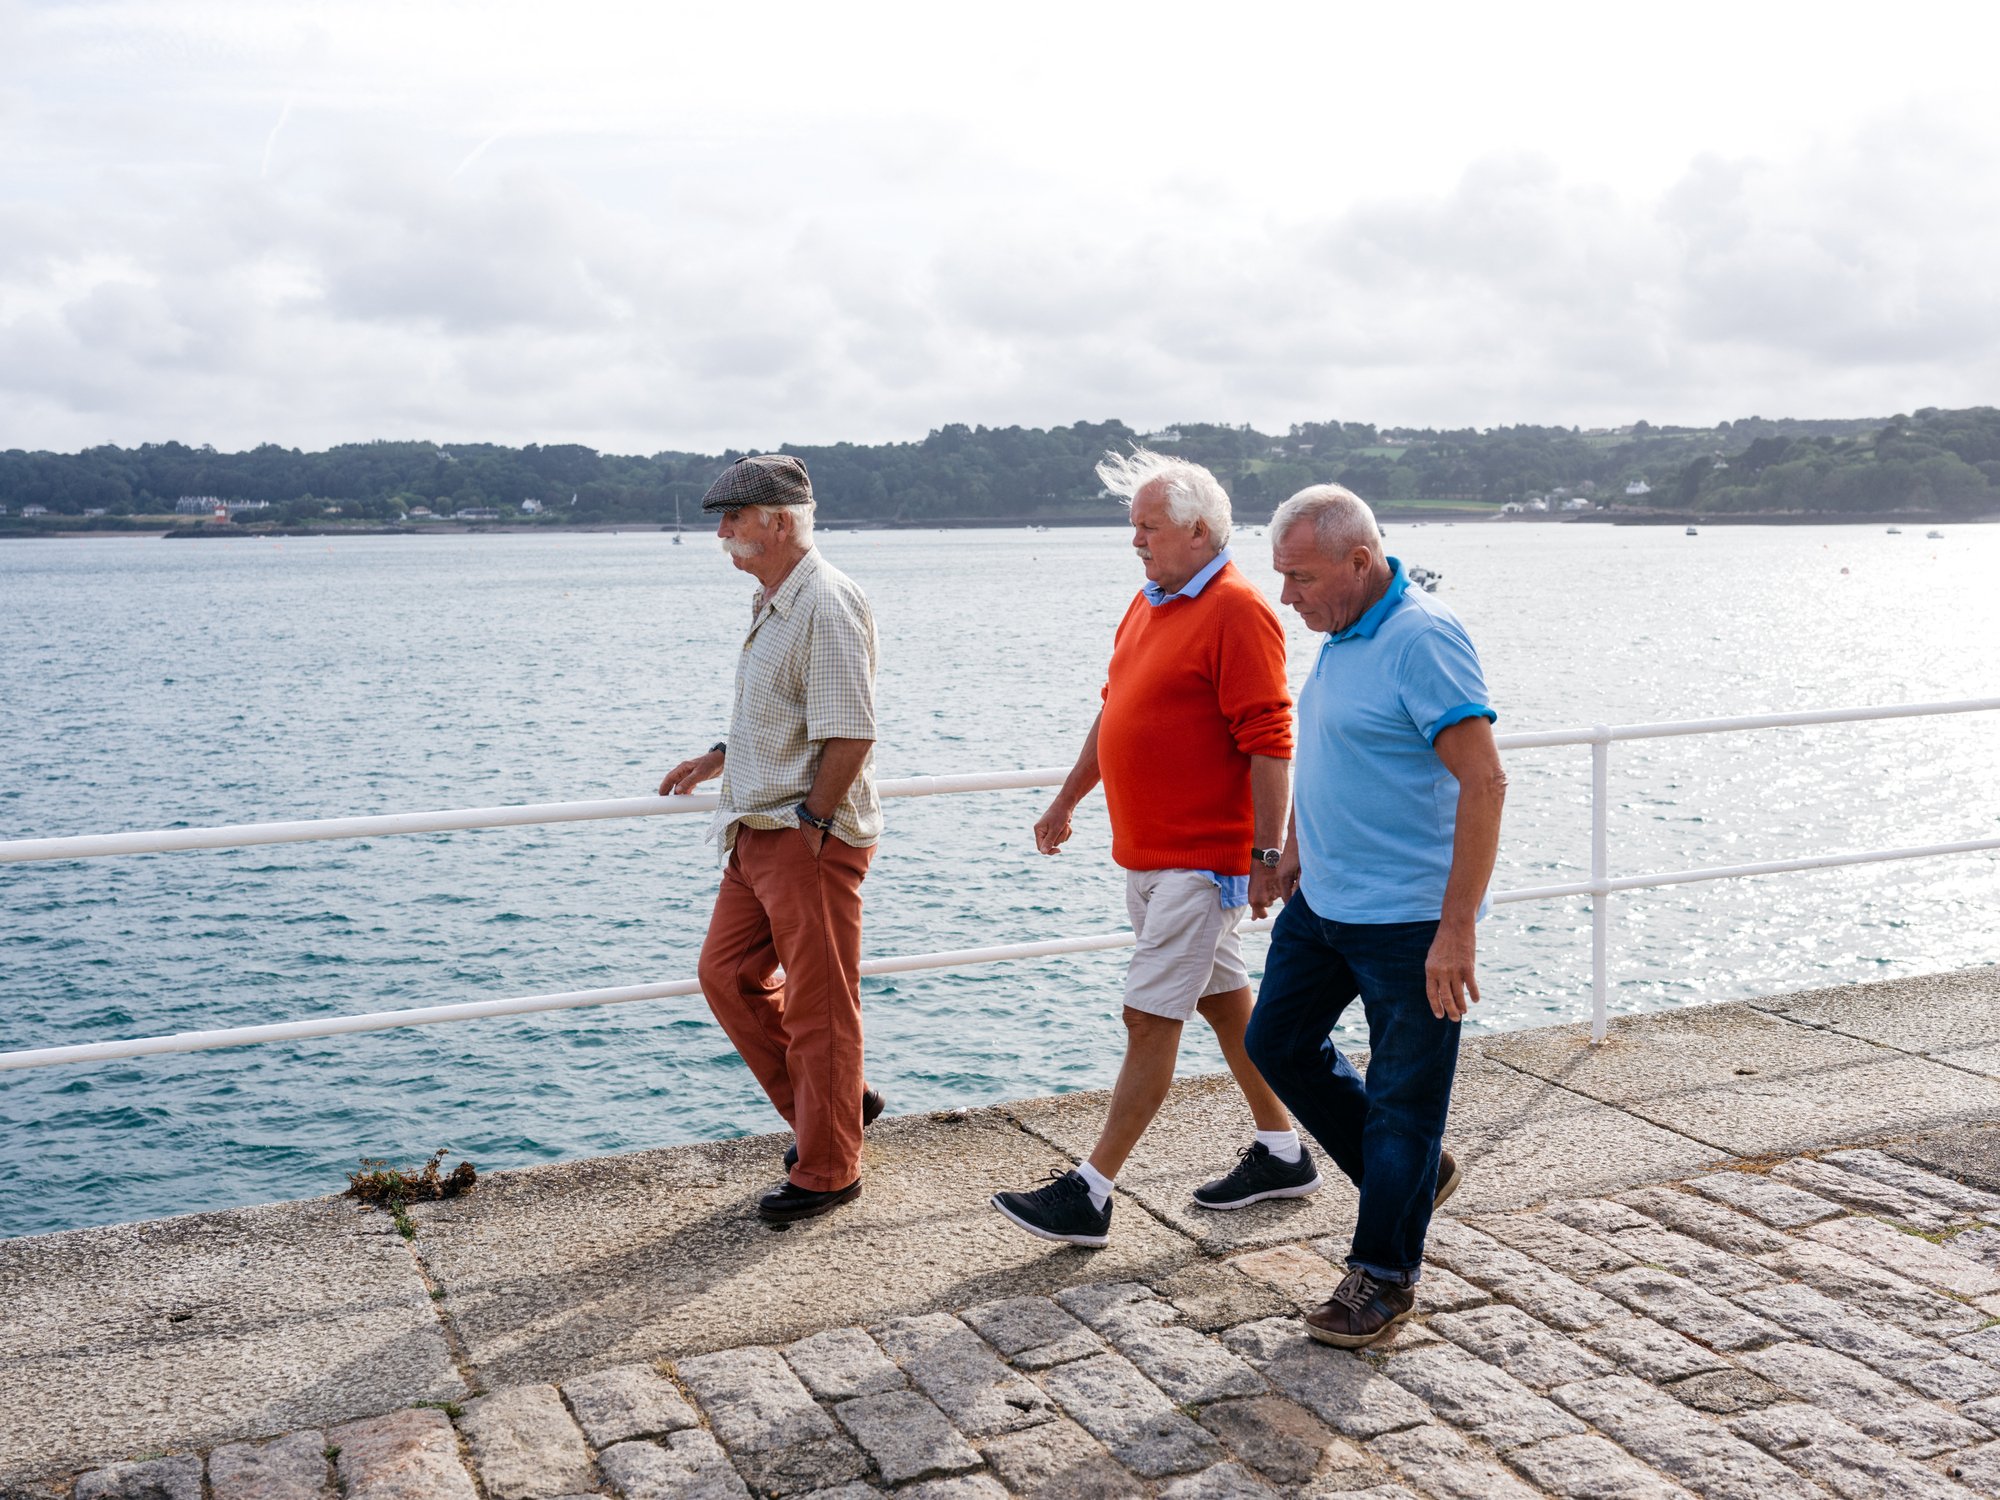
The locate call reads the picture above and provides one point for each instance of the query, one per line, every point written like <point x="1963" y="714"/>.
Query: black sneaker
<point x="1059" y="1210"/>
<point x="1258" y="1175"/>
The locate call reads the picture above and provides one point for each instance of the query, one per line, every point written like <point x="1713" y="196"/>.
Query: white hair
<point x="1192" y="493"/>
<point x="1340" y="519"/>
<point x="802" y="519"/>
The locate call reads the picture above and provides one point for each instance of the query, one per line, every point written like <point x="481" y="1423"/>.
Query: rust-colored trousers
<point x="801" y="1035"/>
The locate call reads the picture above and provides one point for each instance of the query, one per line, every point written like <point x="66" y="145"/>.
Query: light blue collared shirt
<point x="1233" y="890"/>
<point x="1192" y="588"/>
<point x="1375" y="807"/>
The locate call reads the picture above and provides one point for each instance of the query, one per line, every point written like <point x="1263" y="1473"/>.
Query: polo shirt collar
<point x="1193" y="587"/>
<point x="1380" y="610"/>
<point x="795" y="582"/>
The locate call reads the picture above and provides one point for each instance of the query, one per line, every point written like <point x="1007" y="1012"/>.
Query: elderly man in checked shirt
<point x="798" y="820"/>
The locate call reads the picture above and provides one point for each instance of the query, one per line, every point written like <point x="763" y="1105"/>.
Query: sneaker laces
<point x="1356" y="1288"/>
<point x="1056" y="1186"/>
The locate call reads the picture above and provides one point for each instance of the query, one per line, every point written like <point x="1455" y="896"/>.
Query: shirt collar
<point x="788" y="591"/>
<point x="1369" y="623"/>
<point x="1193" y="587"/>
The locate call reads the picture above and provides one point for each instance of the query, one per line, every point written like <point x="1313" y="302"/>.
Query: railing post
<point x="1600" y="872"/>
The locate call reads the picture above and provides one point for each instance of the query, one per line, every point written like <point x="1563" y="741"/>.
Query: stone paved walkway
<point x="1816" y="1324"/>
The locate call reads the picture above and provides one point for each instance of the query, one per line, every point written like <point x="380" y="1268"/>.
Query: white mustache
<point x="743" y="549"/>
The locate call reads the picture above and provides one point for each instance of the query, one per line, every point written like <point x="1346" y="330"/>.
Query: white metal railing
<point x="1599" y="887"/>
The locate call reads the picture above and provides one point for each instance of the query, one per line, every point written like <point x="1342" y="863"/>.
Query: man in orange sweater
<point x="1193" y="745"/>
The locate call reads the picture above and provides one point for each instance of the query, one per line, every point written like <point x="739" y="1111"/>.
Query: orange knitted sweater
<point x="1195" y="688"/>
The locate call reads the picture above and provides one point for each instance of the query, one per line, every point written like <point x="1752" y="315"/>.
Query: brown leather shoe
<point x="788" y="1201"/>
<point x="1360" y="1311"/>
<point x="871" y="1106"/>
<point x="1449" y="1177"/>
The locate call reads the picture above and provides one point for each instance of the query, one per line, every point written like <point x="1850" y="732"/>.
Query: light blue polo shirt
<point x="1376" y="808"/>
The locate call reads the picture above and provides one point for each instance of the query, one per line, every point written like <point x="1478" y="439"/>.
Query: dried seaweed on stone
<point x="377" y="1182"/>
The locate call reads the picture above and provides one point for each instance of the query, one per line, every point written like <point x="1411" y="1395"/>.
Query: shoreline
<point x="1386" y="515"/>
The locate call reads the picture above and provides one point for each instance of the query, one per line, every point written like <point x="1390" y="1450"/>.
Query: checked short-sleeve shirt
<point x="806" y="675"/>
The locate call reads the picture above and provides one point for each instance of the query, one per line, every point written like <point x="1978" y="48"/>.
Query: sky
<point x="656" y="226"/>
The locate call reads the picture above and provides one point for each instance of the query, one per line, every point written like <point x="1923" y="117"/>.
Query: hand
<point x="1448" y="976"/>
<point x="690" y="774"/>
<point x="1265" y="891"/>
<point x="814" y="837"/>
<point x="1288" y="871"/>
<point x="1053" y="830"/>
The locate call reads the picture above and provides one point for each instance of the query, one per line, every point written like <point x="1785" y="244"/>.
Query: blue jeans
<point x="1384" y="1133"/>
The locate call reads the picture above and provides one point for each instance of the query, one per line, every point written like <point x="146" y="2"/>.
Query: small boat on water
<point x="1692" y="532"/>
<point x="1895" y="531"/>
<point x="1423" y="577"/>
<point x="1933" y="536"/>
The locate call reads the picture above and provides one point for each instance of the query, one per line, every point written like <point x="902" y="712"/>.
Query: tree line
<point x="1929" y="460"/>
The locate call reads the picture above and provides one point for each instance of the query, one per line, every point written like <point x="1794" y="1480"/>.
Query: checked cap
<point x="760" y="479"/>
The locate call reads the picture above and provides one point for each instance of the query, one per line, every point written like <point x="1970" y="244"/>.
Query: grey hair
<point x="1193" y="494"/>
<point x="1341" y="520"/>
<point x="802" y="519"/>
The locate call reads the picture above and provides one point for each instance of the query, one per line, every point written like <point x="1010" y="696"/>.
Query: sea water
<point x="148" y="684"/>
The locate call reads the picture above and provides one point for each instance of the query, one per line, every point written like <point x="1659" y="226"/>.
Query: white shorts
<point x="1188" y="943"/>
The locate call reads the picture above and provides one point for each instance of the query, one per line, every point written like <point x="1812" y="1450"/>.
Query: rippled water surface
<point x="146" y="683"/>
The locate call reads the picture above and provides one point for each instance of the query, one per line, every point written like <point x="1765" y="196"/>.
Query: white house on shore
<point x="1637" y="488"/>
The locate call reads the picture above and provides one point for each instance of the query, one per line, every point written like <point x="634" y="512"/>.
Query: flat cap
<point x="760" y="479"/>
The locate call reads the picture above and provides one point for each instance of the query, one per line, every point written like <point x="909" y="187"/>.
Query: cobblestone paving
<point x="1830" y="1326"/>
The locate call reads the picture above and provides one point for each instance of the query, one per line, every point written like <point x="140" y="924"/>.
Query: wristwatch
<point x="1268" y="858"/>
<point x="824" y="825"/>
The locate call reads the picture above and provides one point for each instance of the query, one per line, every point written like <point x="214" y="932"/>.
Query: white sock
<point x="1100" y="1185"/>
<point x="1283" y="1144"/>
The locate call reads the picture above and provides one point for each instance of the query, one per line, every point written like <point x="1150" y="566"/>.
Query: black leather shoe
<point x="871" y="1106"/>
<point x="788" y="1202"/>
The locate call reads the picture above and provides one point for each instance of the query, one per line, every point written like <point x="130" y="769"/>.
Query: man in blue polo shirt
<point x="1395" y="824"/>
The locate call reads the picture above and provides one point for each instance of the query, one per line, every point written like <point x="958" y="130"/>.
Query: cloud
<point x="707" y="278"/>
<point x="271" y="140"/>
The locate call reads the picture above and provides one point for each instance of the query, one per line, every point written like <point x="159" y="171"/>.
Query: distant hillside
<point x="1933" y="460"/>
